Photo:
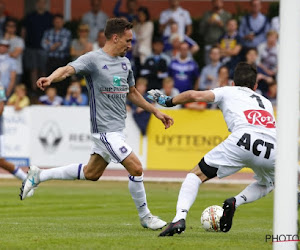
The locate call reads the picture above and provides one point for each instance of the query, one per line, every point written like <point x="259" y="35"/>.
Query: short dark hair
<point x="145" y="11"/>
<point x="58" y="15"/>
<point x="245" y="75"/>
<point x="116" y="26"/>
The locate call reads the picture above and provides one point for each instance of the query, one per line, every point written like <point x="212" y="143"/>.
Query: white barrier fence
<point x="54" y="136"/>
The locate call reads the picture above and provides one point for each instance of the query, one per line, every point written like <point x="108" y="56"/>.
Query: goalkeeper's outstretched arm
<point x="193" y="96"/>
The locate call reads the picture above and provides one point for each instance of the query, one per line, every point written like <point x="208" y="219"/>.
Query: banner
<point x="16" y="138"/>
<point x="61" y="135"/>
<point x="182" y="146"/>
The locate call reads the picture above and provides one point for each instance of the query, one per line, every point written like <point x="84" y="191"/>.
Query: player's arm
<point x="58" y="75"/>
<point x="184" y="97"/>
<point x="136" y="98"/>
<point x="1" y="107"/>
<point x="193" y="96"/>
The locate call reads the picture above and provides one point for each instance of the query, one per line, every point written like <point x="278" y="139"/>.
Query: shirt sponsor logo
<point x="260" y="117"/>
<point x="117" y="81"/>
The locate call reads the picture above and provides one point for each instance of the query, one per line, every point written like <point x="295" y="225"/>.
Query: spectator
<point x="130" y="15"/>
<point x="230" y="46"/>
<point x="74" y="96"/>
<point x="8" y="68"/>
<point x="96" y="19"/>
<point x="223" y="77"/>
<point x="275" y="24"/>
<point x="169" y="90"/>
<point x="209" y="73"/>
<point x="155" y="69"/>
<point x="81" y="45"/>
<point x="254" y="27"/>
<point x="101" y="39"/>
<point x="51" y="98"/>
<point x="16" y="46"/>
<point x="212" y="25"/>
<point x="19" y="99"/>
<point x="35" y="57"/>
<point x="267" y="54"/>
<point x="141" y="116"/>
<point x="175" y="14"/>
<point x="143" y="31"/>
<point x="3" y="18"/>
<point x="184" y="70"/>
<point x="272" y="93"/>
<point x="263" y="79"/>
<point x="175" y="40"/>
<point x="56" y="42"/>
<point x="194" y="47"/>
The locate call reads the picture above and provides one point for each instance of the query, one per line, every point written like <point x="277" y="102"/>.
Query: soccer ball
<point x="210" y="218"/>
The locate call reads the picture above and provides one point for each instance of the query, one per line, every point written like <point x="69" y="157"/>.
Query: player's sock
<point x="252" y="193"/>
<point x="70" y="172"/>
<point x="187" y="196"/>
<point x="137" y="190"/>
<point x="19" y="173"/>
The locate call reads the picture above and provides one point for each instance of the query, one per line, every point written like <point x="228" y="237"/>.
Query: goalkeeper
<point x="252" y="143"/>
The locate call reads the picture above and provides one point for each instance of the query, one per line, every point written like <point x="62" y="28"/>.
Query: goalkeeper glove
<point x="157" y="96"/>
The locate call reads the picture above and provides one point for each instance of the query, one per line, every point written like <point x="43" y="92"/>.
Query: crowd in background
<point x="161" y="59"/>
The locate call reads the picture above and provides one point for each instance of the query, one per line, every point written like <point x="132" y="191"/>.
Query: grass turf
<point x="102" y="215"/>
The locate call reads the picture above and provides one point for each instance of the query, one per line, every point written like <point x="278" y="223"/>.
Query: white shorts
<point x="110" y="146"/>
<point x="245" y="149"/>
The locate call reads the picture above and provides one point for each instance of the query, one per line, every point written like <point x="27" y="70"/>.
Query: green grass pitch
<point x="102" y="215"/>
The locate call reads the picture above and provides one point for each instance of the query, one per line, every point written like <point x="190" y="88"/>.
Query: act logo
<point x="50" y="136"/>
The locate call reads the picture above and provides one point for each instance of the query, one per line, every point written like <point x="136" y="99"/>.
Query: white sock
<point x="70" y="172"/>
<point x="138" y="194"/>
<point x="187" y="196"/>
<point x="20" y="174"/>
<point x="252" y="193"/>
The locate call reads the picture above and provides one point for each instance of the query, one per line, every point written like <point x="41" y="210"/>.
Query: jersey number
<point x="259" y="101"/>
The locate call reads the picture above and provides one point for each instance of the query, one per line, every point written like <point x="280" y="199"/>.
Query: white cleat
<point x="152" y="222"/>
<point x="31" y="182"/>
<point x="30" y="193"/>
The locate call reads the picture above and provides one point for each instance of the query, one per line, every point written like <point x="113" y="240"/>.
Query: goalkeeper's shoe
<point x="30" y="183"/>
<point x="226" y="219"/>
<point x="152" y="222"/>
<point x="174" y="228"/>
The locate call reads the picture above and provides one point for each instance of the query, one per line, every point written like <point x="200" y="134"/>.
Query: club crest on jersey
<point x="260" y="117"/>
<point x="123" y="150"/>
<point x="124" y="66"/>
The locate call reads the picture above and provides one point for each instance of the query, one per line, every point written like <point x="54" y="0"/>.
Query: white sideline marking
<point x="156" y="179"/>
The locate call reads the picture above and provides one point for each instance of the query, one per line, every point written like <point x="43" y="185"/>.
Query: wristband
<point x="169" y="103"/>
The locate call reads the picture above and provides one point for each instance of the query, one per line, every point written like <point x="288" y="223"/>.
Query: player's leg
<point x="137" y="191"/>
<point x="92" y="171"/>
<point x="16" y="171"/>
<point x="263" y="167"/>
<point x="9" y="166"/>
<point x="187" y="195"/>
<point x="251" y="193"/>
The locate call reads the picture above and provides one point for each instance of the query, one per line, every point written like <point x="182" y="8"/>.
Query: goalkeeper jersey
<point x="243" y="108"/>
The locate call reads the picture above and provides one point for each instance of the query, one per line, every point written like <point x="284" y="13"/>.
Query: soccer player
<point x="109" y="80"/>
<point x="249" y="116"/>
<point x="3" y="163"/>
